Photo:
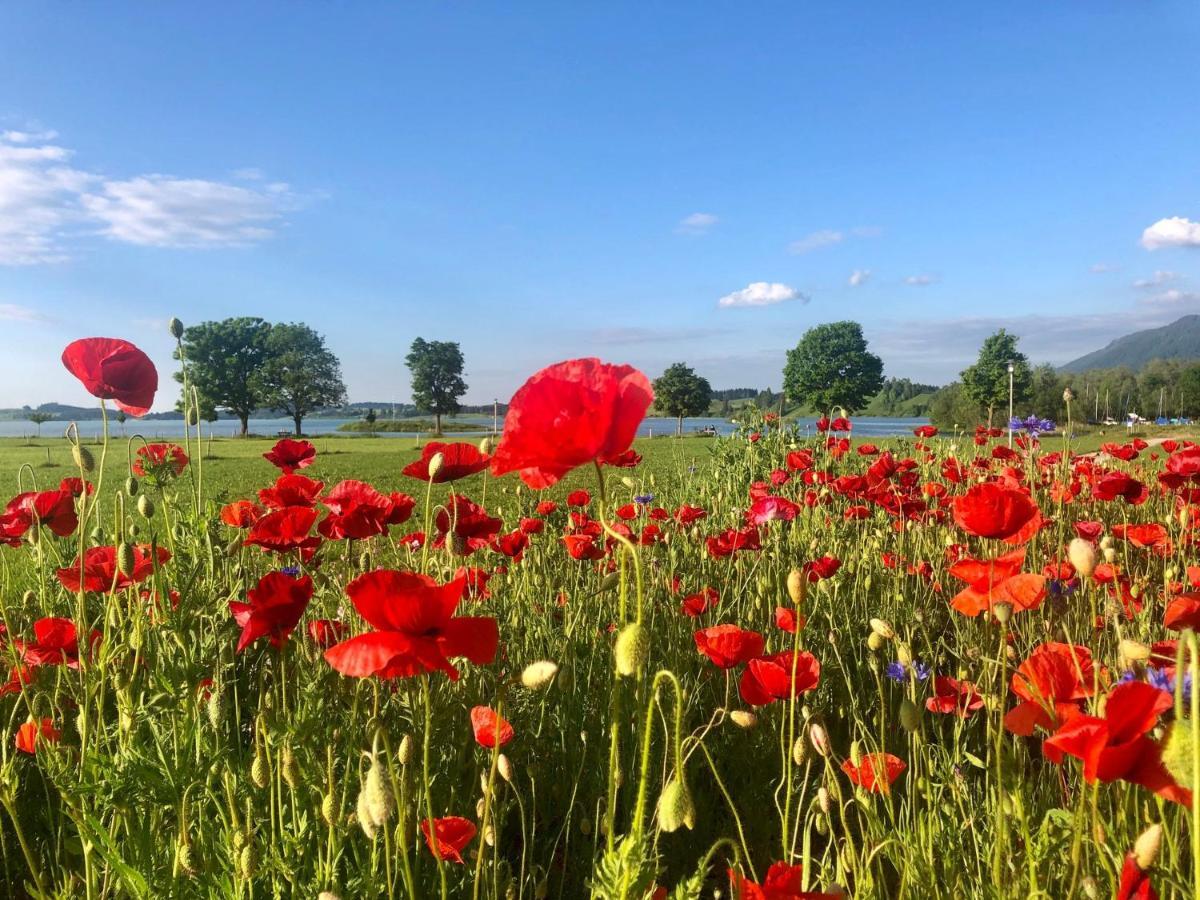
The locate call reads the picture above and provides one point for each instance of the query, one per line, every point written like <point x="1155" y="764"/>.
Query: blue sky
<point x="539" y="181"/>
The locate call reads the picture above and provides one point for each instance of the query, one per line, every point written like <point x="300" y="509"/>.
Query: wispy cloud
<point x="1102" y="267"/>
<point x="828" y="237"/>
<point x="1172" y="298"/>
<point x="762" y="293"/>
<point x="921" y="280"/>
<point x="634" y="335"/>
<point x="1158" y="279"/>
<point x="14" y="312"/>
<point x="1173" y="232"/>
<point x="697" y="223"/>
<point x="48" y="205"/>
<point x="859" y="277"/>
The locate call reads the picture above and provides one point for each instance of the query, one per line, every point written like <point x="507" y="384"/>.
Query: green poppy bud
<point x="1177" y="752"/>
<point x="125" y="558"/>
<point x="83" y="458"/>
<point x="675" y="807"/>
<point x="910" y="715"/>
<point x="175" y="327"/>
<point x="145" y="506"/>
<point x="131" y="486"/>
<point x="631" y="649"/>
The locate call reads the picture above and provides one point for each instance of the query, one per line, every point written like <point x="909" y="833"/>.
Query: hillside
<point x="1179" y="340"/>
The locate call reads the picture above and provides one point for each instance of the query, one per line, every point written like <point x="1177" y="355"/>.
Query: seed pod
<point x="145" y="506"/>
<point x="125" y="559"/>
<point x="538" y="675"/>
<point x="1002" y="612"/>
<point x="175" y="327"/>
<point x="83" y="458"/>
<point x="187" y="861"/>
<point x="631" y="649"/>
<point x="131" y="486"/>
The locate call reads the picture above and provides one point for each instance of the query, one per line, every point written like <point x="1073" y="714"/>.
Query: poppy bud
<point x="186" y="859"/>
<point x="883" y="628"/>
<point x="1082" y="555"/>
<point x="234" y="546"/>
<point x="631" y="649"/>
<point x="125" y="559"/>
<point x="290" y="768"/>
<point x="628" y="482"/>
<point x="819" y="737"/>
<point x="1134" y="651"/>
<point x="1110" y="554"/>
<point x="541" y="890"/>
<point x="874" y="641"/>
<point x="248" y="861"/>
<point x="175" y="327"/>
<point x="258" y="770"/>
<point x="1106" y="542"/>
<point x="823" y="799"/>
<point x="145" y="506"/>
<point x="405" y="753"/>
<point x="131" y="486"/>
<point x="328" y="895"/>
<point x="83" y="458"/>
<point x="329" y="808"/>
<point x="797" y="586"/>
<point x="489" y="835"/>
<point x="1068" y="395"/>
<point x="1177" y="752"/>
<point x="435" y="465"/>
<point x="903" y="654"/>
<point x="486" y="446"/>
<point x="363" y="813"/>
<point x="192" y="417"/>
<point x="800" y="751"/>
<point x="743" y="718"/>
<point x="538" y="675"/>
<point x="610" y="582"/>
<point x="1002" y="612"/>
<point x="675" y="807"/>
<point x="1091" y="889"/>
<point x="855" y="754"/>
<point x="1145" y="848"/>
<point x="504" y="767"/>
<point x="379" y="801"/>
<point x="910" y="715"/>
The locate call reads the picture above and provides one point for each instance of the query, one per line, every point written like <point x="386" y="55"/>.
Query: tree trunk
<point x="297" y="420"/>
<point x="437" y="424"/>
<point x="679" y="426"/>
<point x="990" y="410"/>
<point x="245" y="417"/>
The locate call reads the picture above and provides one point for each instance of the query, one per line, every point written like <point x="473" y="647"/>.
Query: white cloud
<point x="158" y="211"/>
<point x="697" y="223"/>
<point x="761" y="293"/>
<point x="921" y="280"/>
<point x="47" y="205"/>
<point x="1158" y="279"/>
<point x="14" y="312"/>
<point x="1102" y="267"/>
<point x="1173" y="232"/>
<point x="859" y="277"/>
<point x="815" y="241"/>
<point x="1173" y="297"/>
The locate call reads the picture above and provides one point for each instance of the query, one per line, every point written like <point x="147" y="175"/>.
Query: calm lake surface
<point x="653" y="425"/>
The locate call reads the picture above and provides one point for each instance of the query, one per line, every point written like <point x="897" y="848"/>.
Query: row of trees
<point x="241" y="365"/>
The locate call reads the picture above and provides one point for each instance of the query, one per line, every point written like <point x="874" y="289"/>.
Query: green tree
<point x="986" y="383"/>
<point x="680" y="392"/>
<point x="1045" y="394"/>
<point x="437" y="382"/>
<point x="830" y="367"/>
<point x="370" y="417"/>
<point x="37" y="417"/>
<point x="300" y="374"/>
<point x="223" y="359"/>
<point x="1189" y="391"/>
<point x="951" y="408"/>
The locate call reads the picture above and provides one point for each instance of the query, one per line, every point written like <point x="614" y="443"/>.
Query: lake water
<point x="653" y="425"/>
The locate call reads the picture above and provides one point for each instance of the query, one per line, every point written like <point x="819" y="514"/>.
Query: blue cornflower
<point x="644" y="499"/>
<point x="293" y="571"/>
<point x="897" y="671"/>
<point x="1032" y="425"/>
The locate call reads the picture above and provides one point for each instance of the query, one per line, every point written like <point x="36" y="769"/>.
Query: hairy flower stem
<point x="425" y="742"/>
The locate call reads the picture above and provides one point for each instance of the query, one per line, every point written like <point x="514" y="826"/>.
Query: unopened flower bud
<point x="1002" y="612"/>
<point x="1133" y="651"/>
<point x="1177" y="752"/>
<point x="743" y="718"/>
<point x="797" y="586"/>
<point x="910" y="715"/>
<point x="1082" y="555"/>
<point x="145" y="506"/>
<point x="1145" y="848"/>
<point x="819" y="737"/>
<point x="800" y="751"/>
<point x="258" y="770"/>
<point x="675" y="806"/>
<point x="504" y="767"/>
<point x="83" y="458"/>
<point x="883" y="628"/>
<point x="874" y="641"/>
<point x="538" y="675"/>
<point x="175" y="327"/>
<point x="631" y="649"/>
<point x="435" y="465"/>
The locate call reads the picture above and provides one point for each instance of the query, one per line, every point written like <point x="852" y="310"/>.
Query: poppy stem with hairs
<point x="433" y="843"/>
<point x="1189" y="650"/>
<point x="1001" y="819"/>
<point x="487" y="799"/>
<point x="639" y="814"/>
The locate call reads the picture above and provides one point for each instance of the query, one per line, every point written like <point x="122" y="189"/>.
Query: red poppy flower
<point x="356" y="510"/>
<point x="782" y="882"/>
<point x="769" y="508"/>
<point x="771" y="678"/>
<point x="241" y="513"/>
<point x="459" y="460"/>
<point x="276" y="605"/>
<point x="728" y="646"/>
<point x="546" y="507"/>
<point x="53" y="510"/>
<point x="1116" y="746"/>
<point x="952" y="696"/>
<point x="466" y="524"/>
<point x="100" y="569"/>
<point x="77" y="486"/>
<point x="1118" y="484"/>
<point x="1134" y="883"/>
<point x="1051" y="683"/>
<point x="415" y="628"/>
<point x="1183" y="612"/>
<point x="513" y="544"/>
<point x="490" y="729"/>
<point x="284" y="529"/>
<point x="688" y="515"/>
<point x="530" y="525"/>
<point x="875" y="773"/>
<point x="326" y="632"/>
<point x="55" y="643"/>
<point x="993" y="510"/>
<point x="819" y="569"/>
<point x="1152" y="534"/>
<point x="159" y="461"/>
<point x="731" y="541"/>
<point x="579" y="498"/>
<point x="570" y="414"/>
<point x="476" y="579"/>
<point x="787" y="620"/>
<point x="30" y="734"/>
<point x="925" y="431"/>
<point x="583" y="546"/>
<point x="291" y="490"/>
<point x="451" y="834"/>
<point x="113" y="369"/>
<point x="401" y="508"/>
<point x="628" y="460"/>
<point x="289" y="455"/>
<point x="697" y="603"/>
<point x="1089" y="531"/>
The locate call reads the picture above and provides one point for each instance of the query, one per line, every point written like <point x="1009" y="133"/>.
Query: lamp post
<point x="1010" y="404"/>
<point x="495" y="415"/>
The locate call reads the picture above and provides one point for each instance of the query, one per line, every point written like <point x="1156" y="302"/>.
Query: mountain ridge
<point x="1178" y="340"/>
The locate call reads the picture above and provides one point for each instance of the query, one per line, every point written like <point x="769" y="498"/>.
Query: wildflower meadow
<point x="563" y="663"/>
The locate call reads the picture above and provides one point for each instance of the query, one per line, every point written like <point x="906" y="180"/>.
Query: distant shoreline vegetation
<point x="409" y="426"/>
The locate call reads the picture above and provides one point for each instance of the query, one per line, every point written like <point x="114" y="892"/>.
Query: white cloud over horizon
<point x="697" y="223"/>
<point x="859" y="277"/>
<point x="921" y="280"/>
<point x="48" y="205"/>
<point x="1175" y="231"/>
<point x="761" y="293"/>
